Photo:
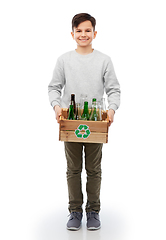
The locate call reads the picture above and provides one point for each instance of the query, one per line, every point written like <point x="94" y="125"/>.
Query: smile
<point x="83" y="40"/>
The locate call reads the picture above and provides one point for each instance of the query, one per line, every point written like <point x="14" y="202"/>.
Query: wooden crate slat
<point x="69" y="136"/>
<point x="93" y="126"/>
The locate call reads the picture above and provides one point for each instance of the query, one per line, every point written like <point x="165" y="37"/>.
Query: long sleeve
<point x="112" y="87"/>
<point x="91" y="74"/>
<point x="57" y="83"/>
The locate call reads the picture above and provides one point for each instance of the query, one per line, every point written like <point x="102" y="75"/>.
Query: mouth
<point x="84" y="40"/>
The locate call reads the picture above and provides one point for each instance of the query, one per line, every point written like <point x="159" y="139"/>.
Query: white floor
<point x="53" y="227"/>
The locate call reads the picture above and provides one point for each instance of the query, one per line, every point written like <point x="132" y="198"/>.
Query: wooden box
<point x="82" y="131"/>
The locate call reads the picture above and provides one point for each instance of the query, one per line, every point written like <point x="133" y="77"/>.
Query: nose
<point x="83" y="34"/>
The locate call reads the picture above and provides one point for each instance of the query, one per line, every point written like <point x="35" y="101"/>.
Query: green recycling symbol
<point x="83" y="135"/>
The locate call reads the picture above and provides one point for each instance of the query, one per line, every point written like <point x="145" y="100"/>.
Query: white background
<point x="33" y="189"/>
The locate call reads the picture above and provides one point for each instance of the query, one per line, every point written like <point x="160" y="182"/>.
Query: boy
<point x="84" y="70"/>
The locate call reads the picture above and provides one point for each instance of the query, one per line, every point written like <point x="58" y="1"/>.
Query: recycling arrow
<point x="83" y="135"/>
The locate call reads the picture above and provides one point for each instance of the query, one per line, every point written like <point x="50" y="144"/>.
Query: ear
<point x="95" y="33"/>
<point x="72" y="34"/>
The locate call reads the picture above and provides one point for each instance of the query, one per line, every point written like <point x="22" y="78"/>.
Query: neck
<point x="84" y="50"/>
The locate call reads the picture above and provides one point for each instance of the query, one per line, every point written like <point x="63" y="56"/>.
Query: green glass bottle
<point x="93" y="100"/>
<point x="94" y="115"/>
<point x="85" y="115"/>
<point x="71" y="113"/>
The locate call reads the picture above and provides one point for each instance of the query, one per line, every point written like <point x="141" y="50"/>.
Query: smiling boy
<point x="84" y="70"/>
<point x="84" y="35"/>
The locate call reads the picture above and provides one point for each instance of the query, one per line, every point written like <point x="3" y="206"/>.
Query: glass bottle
<point x="94" y="115"/>
<point x="83" y="98"/>
<point x="78" y="111"/>
<point x="73" y="103"/>
<point x="85" y="115"/>
<point x="103" y="109"/>
<point x="93" y="100"/>
<point x="99" y="111"/>
<point x="71" y="113"/>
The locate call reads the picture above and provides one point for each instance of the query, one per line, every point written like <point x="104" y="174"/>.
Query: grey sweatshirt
<point x="84" y="74"/>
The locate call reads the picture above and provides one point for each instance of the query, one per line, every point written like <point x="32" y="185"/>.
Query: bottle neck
<point x="72" y="97"/>
<point x="94" y="105"/>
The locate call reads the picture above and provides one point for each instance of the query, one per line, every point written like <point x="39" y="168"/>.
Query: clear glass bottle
<point x="83" y="98"/>
<point x="103" y="109"/>
<point x="85" y="115"/>
<point x="78" y="111"/>
<point x="94" y="115"/>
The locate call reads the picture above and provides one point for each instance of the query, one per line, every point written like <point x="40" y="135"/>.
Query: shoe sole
<point x="93" y="228"/>
<point x="73" y="228"/>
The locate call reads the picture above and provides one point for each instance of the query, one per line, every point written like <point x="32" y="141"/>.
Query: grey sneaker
<point x="93" y="221"/>
<point x="74" y="222"/>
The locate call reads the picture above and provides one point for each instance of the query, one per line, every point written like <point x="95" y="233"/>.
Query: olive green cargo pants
<point x="74" y="155"/>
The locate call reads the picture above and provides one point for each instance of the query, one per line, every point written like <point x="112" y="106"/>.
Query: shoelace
<point x="74" y="215"/>
<point x="92" y="215"/>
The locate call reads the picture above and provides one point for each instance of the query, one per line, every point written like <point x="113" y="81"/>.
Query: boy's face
<point x="84" y="34"/>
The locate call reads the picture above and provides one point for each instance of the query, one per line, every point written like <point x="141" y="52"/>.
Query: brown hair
<point x="82" y="17"/>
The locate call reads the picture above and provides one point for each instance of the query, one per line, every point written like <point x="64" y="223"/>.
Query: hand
<point x="111" y="113"/>
<point x="57" y="112"/>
